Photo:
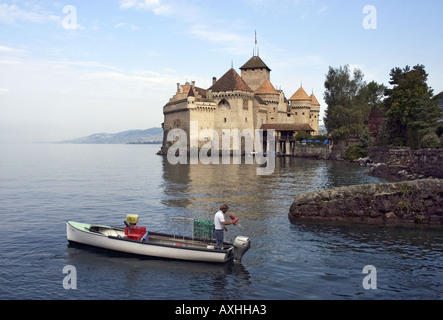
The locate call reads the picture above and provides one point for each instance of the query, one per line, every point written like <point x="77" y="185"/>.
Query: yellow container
<point x="132" y="218"/>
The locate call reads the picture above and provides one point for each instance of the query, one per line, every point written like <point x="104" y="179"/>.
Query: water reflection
<point x="404" y="256"/>
<point x="308" y="260"/>
<point x="131" y="275"/>
<point x="45" y="185"/>
<point x="198" y="190"/>
<point x="259" y="201"/>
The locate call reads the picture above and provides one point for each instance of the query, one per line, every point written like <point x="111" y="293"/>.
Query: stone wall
<point x="312" y="151"/>
<point x="419" y="201"/>
<point x="406" y="164"/>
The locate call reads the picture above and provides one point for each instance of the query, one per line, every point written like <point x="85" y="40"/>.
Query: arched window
<point x="224" y="103"/>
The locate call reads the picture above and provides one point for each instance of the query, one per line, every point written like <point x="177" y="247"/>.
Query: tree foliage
<point x="411" y="112"/>
<point x="404" y="115"/>
<point x="350" y="103"/>
<point x="302" y="135"/>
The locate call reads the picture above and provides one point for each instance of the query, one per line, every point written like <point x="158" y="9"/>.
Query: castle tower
<point x="270" y="97"/>
<point x="255" y="72"/>
<point x="300" y="104"/>
<point x="314" y="114"/>
<point x="234" y="100"/>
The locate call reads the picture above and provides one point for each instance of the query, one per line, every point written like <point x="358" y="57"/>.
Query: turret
<point x="301" y="104"/>
<point x="255" y="72"/>
<point x="314" y="114"/>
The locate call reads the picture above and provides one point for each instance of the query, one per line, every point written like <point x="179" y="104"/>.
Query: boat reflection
<point x="129" y="272"/>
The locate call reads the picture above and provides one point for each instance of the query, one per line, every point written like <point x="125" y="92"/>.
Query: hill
<point x="148" y="136"/>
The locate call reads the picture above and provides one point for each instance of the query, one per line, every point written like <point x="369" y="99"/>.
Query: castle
<point x="246" y="101"/>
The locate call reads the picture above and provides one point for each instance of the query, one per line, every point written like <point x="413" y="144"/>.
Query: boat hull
<point x="159" y="245"/>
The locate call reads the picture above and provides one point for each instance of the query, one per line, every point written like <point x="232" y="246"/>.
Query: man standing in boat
<point x="220" y="223"/>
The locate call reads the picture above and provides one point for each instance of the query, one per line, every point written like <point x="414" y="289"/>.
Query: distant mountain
<point x="152" y="135"/>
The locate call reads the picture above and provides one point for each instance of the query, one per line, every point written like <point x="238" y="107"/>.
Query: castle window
<point x="246" y="119"/>
<point x="224" y="103"/>
<point x="226" y="120"/>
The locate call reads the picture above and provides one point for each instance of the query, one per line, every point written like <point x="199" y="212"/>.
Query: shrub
<point x="302" y="135"/>
<point x="429" y="140"/>
<point x="356" y="152"/>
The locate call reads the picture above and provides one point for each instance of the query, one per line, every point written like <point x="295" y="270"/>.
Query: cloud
<point x="51" y="97"/>
<point x="8" y="55"/>
<point x="12" y="13"/>
<point x="228" y="41"/>
<point x="126" y="25"/>
<point x="199" y="22"/>
<point x="323" y="9"/>
<point x="4" y="49"/>
<point x="216" y="36"/>
<point x="156" y="6"/>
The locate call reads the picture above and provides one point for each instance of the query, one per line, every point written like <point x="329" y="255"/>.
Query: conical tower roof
<point x="230" y="81"/>
<point x="191" y="93"/>
<point x="300" y="95"/>
<point x="314" y="101"/>
<point x="266" y="88"/>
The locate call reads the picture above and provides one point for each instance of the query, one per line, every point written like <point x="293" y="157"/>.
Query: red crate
<point x="135" y="233"/>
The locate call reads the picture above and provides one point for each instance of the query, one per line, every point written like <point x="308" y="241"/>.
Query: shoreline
<point x="413" y="202"/>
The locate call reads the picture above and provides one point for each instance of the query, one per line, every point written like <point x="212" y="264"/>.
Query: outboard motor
<point x="241" y="245"/>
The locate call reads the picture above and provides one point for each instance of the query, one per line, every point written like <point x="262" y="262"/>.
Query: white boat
<point x="158" y="245"/>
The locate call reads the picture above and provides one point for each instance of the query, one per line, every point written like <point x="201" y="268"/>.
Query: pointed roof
<point x="314" y="101"/>
<point x="191" y="93"/>
<point x="230" y="81"/>
<point x="255" y="63"/>
<point x="266" y="88"/>
<point x="300" y="95"/>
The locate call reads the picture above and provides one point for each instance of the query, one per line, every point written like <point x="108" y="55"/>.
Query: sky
<point x="72" y="68"/>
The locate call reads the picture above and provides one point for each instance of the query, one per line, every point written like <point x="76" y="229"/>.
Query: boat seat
<point x="93" y="229"/>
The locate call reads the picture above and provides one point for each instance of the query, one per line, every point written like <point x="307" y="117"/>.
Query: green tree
<point x="437" y="98"/>
<point x="411" y="113"/>
<point x="376" y="94"/>
<point x="302" y="135"/>
<point x="350" y="102"/>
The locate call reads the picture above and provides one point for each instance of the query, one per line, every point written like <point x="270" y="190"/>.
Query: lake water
<point x="43" y="185"/>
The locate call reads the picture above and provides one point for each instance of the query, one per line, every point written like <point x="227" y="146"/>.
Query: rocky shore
<point x="402" y="164"/>
<point x="418" y="201"/>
